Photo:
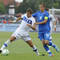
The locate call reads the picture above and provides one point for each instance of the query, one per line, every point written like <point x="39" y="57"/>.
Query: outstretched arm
<point x="33" y="27"/>
<point x="16" y="20"/>
<point x="43" y="22"/>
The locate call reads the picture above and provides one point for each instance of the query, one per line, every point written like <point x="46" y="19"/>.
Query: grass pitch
<point x="19" y="50"/>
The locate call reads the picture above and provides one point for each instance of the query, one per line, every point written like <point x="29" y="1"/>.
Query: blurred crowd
<point x="6" y="19"/>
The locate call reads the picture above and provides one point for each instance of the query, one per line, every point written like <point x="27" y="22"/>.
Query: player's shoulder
<point x="24" y="15"/>
<point x="46" y="13"/>
<point x="37" y="12"/>
<point x="32" y="18"/>
<point x="51" y="15"/>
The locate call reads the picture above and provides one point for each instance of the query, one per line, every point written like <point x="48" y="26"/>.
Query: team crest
<point x="40" y="17"/>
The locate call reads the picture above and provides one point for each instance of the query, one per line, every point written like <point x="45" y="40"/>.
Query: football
<point x="5" y="52"/>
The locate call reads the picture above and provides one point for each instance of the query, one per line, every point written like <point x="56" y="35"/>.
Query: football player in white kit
<point x="52" y="24"/>
<point x="23" y="31"/>
<point x="53" y="27"/>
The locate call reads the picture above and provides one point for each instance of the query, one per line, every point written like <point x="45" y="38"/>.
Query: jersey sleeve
<point x="34" y="15"/>
<point x="46" y="16"/>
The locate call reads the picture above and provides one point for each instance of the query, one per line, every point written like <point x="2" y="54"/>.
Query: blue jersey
<point x="40" y="18"/>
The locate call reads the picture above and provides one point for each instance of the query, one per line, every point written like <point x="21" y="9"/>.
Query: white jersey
<point x="23" y="26"/>
<point x="23" y="29"/>
<point x="52" y="20"/>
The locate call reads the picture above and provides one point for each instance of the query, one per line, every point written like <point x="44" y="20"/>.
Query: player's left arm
<point x="33" y="25"/>
<point x="54" y="22"/>
<point x="43" y="22"/>
<point x="54" y="25"/>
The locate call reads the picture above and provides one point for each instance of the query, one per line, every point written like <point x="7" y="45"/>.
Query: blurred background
<point x="12" y="9"/>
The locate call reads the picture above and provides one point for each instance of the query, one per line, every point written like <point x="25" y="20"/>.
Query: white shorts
<point x="21" y="35"/>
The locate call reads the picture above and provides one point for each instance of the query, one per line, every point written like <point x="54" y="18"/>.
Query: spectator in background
<point x="4" y="21"/>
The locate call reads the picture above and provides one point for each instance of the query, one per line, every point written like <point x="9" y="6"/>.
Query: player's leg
<point x="46" y="38"/>
<point x="46" y="47"/>
<point x="28" y="40"/>
<point x="52" y="44"/>
<point x="33" y="47"/>
<point x="44" y="42"/>
<point x="50" y="41"/>
<point x="12" y="38"/>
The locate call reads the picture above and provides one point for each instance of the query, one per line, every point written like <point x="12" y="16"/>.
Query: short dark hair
<point x="29" y="10"/>
<point x="43" y="4"/>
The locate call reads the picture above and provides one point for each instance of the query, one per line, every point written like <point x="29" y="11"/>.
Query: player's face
<point x="29" y="14"/>
<point x="42" y="8"/>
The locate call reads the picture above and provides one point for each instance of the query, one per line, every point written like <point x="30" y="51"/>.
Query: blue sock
<point x="50" y="43"/>
<point x="47" y="49"/>
<point x="5" y="45"/>
<point x="57" y="49"/>
<point x="54" y="46"/>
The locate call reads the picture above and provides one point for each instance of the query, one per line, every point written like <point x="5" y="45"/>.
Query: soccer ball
<point x="5" y="52"/>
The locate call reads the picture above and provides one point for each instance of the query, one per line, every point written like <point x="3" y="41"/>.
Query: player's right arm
<point x="54" y="22"/>
<point x="15" y="20"/>
<point x="45" y="19"/>
<point x="18" y="19"/>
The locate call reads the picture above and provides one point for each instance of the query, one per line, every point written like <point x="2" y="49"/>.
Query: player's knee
<point x="46" y="42"/>
<point x="12" y="38"/>
<point x="43" y="42"/>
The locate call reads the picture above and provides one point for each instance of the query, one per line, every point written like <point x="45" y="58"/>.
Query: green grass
<point x="19" y="50"/>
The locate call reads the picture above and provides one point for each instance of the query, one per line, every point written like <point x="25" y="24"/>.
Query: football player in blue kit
<point x="43" y="23"/>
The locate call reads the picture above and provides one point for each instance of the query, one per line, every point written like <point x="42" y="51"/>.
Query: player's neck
<point x="28" y="16"/>
<point x="42" y="11"/>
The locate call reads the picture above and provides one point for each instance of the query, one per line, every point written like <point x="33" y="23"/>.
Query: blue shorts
<point x="44" y="36"/>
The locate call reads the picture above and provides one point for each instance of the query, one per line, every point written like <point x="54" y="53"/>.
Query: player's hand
<point x="37" y="23"/>
<point x="29" y="25"/>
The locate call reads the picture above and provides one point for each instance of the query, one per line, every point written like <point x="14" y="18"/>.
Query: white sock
<point x="5" y="44"/>
<point x="34" y="47"/>
<point x="35" y="50"/>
